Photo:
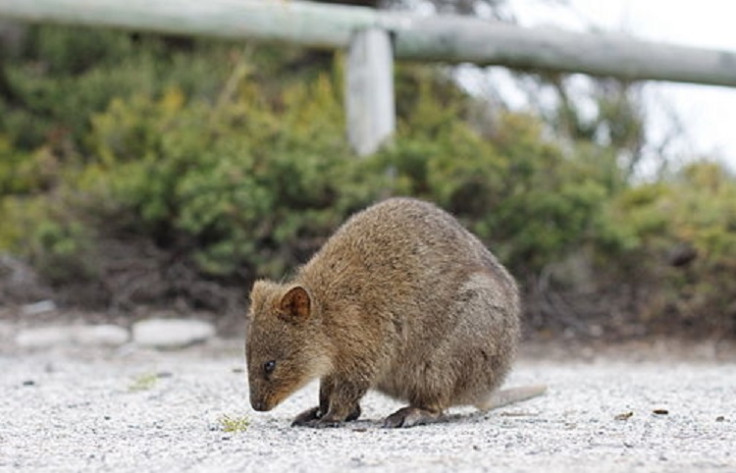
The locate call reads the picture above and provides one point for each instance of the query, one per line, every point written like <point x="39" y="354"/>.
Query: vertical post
<point x="370" y="90"/>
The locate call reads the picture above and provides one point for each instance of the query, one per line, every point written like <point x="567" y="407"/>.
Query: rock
<point x="171" y="333"/>
<point x="43" y="337"/>
<point x="158" y="333"/>
<point x="56" y="335"/>
<point x="101" y="335"/>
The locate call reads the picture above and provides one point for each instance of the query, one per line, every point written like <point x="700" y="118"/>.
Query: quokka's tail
<point x="507" y="396"/>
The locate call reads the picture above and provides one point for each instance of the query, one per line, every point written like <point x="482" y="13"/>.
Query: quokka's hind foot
<point x="411" y="416"/>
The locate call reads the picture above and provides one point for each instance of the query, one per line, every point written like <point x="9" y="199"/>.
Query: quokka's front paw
<point x="316" y="423"/>
<point x="307" y="416"/>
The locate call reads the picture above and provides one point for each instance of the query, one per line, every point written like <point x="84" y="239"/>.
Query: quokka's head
<point x="283" y="346"/>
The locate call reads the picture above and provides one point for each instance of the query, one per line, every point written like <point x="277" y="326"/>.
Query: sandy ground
<point x="133" y="410"/>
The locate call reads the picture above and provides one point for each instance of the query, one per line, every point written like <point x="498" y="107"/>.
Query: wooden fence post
<point x="370" y="90"/>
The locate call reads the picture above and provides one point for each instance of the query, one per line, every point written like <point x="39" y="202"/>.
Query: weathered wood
<point x="460" y="39"/>
<point x="370" y="91"/>
<point x="310" y="24"/>
<point x="443" y="38"/>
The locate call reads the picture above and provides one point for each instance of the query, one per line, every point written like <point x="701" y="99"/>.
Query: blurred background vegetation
<point x="151" y="171"/>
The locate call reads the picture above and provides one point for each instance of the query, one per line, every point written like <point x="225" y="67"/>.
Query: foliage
<point x="143" y="382"/>
<point x="233" y="176"/>
<point x="682" y="233"/>
<point x="234" y="423"/>
<point x="219" y="178"/>
<point x="154" y="169"/>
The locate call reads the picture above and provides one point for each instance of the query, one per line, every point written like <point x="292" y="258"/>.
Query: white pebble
<point x="171" y="333"/>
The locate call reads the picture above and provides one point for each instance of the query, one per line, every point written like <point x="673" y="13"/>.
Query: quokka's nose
<point x="258" y="405"/>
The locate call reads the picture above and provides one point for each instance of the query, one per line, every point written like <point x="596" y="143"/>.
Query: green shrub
<point x="241" y="184"/>
<point x="680" y="235"/>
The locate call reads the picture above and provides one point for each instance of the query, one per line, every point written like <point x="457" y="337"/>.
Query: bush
<point x="239" y="183"/>
<point x="680" y="237"/>
<point x="243" y="182"/>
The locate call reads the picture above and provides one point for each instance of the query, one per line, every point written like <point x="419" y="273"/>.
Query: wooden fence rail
<point x="452" y="39"/>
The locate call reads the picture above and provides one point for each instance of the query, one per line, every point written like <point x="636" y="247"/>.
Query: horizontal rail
<point x="443" y="38"/>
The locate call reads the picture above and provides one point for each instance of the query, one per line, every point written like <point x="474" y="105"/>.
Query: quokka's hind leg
<point x="410" y="416"/>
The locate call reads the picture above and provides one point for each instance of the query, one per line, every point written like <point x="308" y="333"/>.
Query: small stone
<point x="88" y="335"/>
<point x="43" y="337"/>
<point x="661" y="412"/>
<point x="29" y="382"/>
<point x="100" y="335"/>
<point x="171" y="333"/>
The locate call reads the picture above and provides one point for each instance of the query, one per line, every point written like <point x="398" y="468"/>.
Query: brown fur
<point x="401" y="299"/>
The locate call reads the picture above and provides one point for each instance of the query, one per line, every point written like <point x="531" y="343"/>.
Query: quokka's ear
<point x="296" y="304"/>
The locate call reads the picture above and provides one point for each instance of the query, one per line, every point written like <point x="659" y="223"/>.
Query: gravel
<point x="132" y="409"/>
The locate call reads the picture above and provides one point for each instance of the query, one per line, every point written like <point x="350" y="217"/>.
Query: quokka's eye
<point x="269" y="366"/>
